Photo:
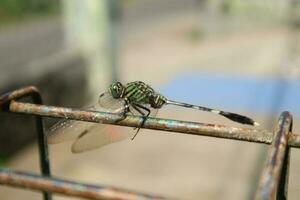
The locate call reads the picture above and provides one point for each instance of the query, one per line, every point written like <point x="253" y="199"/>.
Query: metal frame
<point x="273" y="183"/>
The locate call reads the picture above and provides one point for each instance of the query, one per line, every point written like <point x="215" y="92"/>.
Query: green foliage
<point x="3" y="159"/>
<point x="16" y="9"/>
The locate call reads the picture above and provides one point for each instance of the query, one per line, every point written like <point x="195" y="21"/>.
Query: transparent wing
<point x="107" y="101"/>
<point x="91" y="135"/>
<point x="99" y="135"/>
<point x="66" y="130"/>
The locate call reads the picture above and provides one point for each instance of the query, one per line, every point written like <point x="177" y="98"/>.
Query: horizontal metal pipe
<point x="69" y="188"/>
<point x="220" y="131"/>
<point x="272" y="173"/>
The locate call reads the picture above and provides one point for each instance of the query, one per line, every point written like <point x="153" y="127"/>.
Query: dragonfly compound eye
<point x="116" y="90"/>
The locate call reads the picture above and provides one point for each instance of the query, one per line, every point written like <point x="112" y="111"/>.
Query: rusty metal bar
<point x="220" y="131"/>
<point x="273" y="182"/>
<point x="68" y="188"/>
<point x="34" y="93"/>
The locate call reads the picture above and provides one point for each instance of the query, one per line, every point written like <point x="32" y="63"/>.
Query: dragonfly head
<point x="117" y="90"/>
<point x="157" y="100"/>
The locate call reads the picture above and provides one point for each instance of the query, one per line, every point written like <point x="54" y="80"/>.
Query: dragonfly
<point x="134" y="98"/>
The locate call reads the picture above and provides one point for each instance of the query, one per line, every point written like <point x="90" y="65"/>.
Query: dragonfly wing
<point x="90" y="135"/>
<point x="111" y="104"/>
<point x="99" y="135"/>
<point x="66" y="130"/>
<point x="107" y="101"/>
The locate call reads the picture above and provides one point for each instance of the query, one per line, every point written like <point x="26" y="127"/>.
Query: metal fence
<point x="273" y="182"/>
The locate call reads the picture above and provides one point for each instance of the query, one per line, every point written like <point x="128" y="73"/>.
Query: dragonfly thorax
<point x="137" y="92"/>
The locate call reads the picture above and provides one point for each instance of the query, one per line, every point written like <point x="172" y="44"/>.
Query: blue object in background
<point x="233" y="93"/>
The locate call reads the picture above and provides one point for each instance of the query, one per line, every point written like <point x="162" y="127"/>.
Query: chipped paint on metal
<point x="69" y="188"/>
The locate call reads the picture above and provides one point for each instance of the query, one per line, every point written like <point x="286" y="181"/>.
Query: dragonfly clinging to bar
<point x="135" y="98"/>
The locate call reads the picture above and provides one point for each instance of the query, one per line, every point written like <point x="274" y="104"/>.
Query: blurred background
<point x="235" y="55"/>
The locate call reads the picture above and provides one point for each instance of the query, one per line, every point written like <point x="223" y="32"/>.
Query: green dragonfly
<point x="136" y="98"/>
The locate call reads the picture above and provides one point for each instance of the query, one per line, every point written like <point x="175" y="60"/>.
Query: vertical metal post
<point x="87" y="31"/>
<point x="282" y="191"/>
<point x="42" y="144"/>
<point x="34" y="93"/>
<point x="114" y="9"/>
<point x="274" y="180"/>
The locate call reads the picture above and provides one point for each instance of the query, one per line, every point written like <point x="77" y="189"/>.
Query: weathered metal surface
<point x="17" y="94"/>
<point x="273" y="183"/>
<point x="69" y="188"/>
<point x="34" y="93"/>
<point x="245" y="134"/>
<point x="294" y="140"/>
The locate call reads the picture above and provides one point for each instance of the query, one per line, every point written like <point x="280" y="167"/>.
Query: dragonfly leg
<point x="143" y="114"/>
<point x="125" y="111"/>
<point x="130" y="111"/>
<point x="138" y="107"/>
<point x="145" y="117"/>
